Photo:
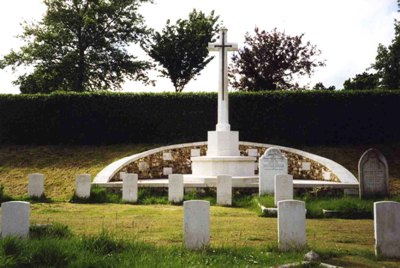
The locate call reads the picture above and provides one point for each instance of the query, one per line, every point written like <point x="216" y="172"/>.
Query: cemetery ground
<point x="151" y="235"/>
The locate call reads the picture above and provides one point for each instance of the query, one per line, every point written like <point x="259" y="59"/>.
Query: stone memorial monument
<point x="196" y="224"/>
<point x="283" y="187"/>
<point x="291" y="225"/>
<point x="271" y="163"/>
<point x="129" y="187"/>
<point x="373" y="174"/>
<point x="35" y="185"/>
<point x="175" y="188"/>
<point x="15" y="219"/>
<point x="82" y="186"/>
<point x="224" y="190"/>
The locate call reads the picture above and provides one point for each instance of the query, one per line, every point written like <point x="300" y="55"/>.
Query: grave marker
<point x="175" y="188"/>
<point x="130" y="187"/>
<point x="373" y="174"/>
<point x="387" y="229"/>
<point x="82" y="186"/>
<point x="283" y="187"/>
<point x="224" y="190"/>
<point x="35" y="185"/>
<point x="15" y="219"/>
<point x="272" y="163"/>
<point x="291" y="225"/>
<point x="167" y="171"/>
<point x="196" y="224"/>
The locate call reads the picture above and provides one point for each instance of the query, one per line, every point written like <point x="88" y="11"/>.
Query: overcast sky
<point x="346" y="31"/>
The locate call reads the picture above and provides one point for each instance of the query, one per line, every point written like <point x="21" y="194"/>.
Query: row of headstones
<point x="291" y="224"/>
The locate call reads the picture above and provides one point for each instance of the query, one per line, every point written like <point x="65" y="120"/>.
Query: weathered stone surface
<point x="387" y="229"/>
<point x="291" y="225"/>
<point x="373" y="174"/>
<point x="35" y="185"/>
<point x="252" y="152"/>
<point x="82" y="186"/>
<point x="195" y="152"/>
<point x="130" y="188"/>
<point x="15" y="219"/>
<point x="306" y="166"/>
<point x="167" y="156"/>
<point x="167" y="171"/>
<point x="312" y="256"/>
<point x="224" y="190"/>
<point x="196" y="224"/>
<point x="270" y="164"/>
<point x="175" y="188"/>
<point x="283" y="187"/>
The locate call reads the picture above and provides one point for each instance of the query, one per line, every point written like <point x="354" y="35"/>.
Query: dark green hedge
<point x="310" y="118"/>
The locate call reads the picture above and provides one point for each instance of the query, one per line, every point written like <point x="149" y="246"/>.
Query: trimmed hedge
<point x="297" y="117"/>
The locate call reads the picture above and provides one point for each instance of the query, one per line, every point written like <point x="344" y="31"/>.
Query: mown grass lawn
<point x="235" y="232"/>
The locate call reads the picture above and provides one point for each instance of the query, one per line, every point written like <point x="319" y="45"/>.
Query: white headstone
<point x="167" y="156"/>
<point x="270" y="164"/>
<point x="82" y="186"/>
<point x="387" y="229"/>
<point x="194" y="152"/>
<point x="373" y="174"/>
<point x="283" y="187"/>
<point x="167" y="171"/>
<point x="175" y="188"/>
<point x="15" y="219"/>
<point x="291" y="225"/>
<point x="252" y="152"/>
<point x="122" y="175"/>
<point x="224" y="190"/>
<point x="35" y="185"/>
<point x="196" y="224"/>
<point x="130" y="188"/>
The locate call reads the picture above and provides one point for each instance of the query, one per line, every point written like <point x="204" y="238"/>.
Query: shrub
<point x="98" y="195"/>
<point x="50" y="230"/>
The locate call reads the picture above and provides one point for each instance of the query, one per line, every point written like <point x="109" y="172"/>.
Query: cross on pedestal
<point x="223" y="106"/>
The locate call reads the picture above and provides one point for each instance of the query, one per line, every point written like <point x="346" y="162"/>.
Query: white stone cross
<point x="223" y="106"/>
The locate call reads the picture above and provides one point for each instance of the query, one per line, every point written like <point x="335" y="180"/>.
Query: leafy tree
<point x="320" y="86"/>
<point x="362" y="81"/>
<point x="270" y="60"/>
<point x="80" y="45"/>
<point x="181" y="48"/>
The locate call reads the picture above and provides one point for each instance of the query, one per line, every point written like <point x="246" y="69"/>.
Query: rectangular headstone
<point x="167" y="171"/>
<point x="252" y="152"/>
<point x="196" y="224"/>
<point x="272" y="163"/>
<point x="15" y="219"/>
<point x="373" y="174"/>
<point x="167" y="157"/>
<point x="387" y="229"/>
<point x="35" y="185"/>
<point x="283" y="187"/>
<point x="291" y="225"/>
<point x="224" y="190"/>
<point x="194" y="152"/>
<point x="130" y="188"/>
<point x="175" y="188"/>
<point x="82" y="186"/>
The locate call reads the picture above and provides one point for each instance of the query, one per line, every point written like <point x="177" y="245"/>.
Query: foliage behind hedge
<point x="298" y="117"/>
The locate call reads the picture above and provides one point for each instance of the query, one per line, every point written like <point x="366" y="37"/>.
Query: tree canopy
<point x="270" y="60"/>
<point x="181" y="48"/>
<point x="80" y="45"/>
<point x="362" y="82"/>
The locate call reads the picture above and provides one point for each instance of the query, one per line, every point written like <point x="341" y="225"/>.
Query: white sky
<point x="346" y="31"/>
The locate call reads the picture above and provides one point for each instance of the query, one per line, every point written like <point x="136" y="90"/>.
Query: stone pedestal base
<point x="235" y="166"/>
<point x="223" y="143"/>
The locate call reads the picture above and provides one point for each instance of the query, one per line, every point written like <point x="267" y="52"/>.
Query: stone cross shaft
<point x="223" y="105"/>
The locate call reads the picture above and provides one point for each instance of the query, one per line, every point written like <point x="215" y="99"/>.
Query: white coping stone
<point x="175" y="188"/>
<point x="344" y="175"/>
<point x="35" y="185"/>
<point x="291" y="225"/>
<point x="167" y="156"/>
<point x="252" y="152"/>
<point x="224" y="190"/>
<point x="15" y="219"/>
<point x="82" y="186"/>
<point x="130" y="187"/>
<point x="387" y="229"/>
<point x="143" y="166"/>
<point x="283" y="187"/>
<point x="306" y="166"/>
<point x="272" y="163"/>
<point x="196" y="224"/>
<point x="167" y="171"/>
<point x="326" y="175"/>
<point x="195" y="152"/>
